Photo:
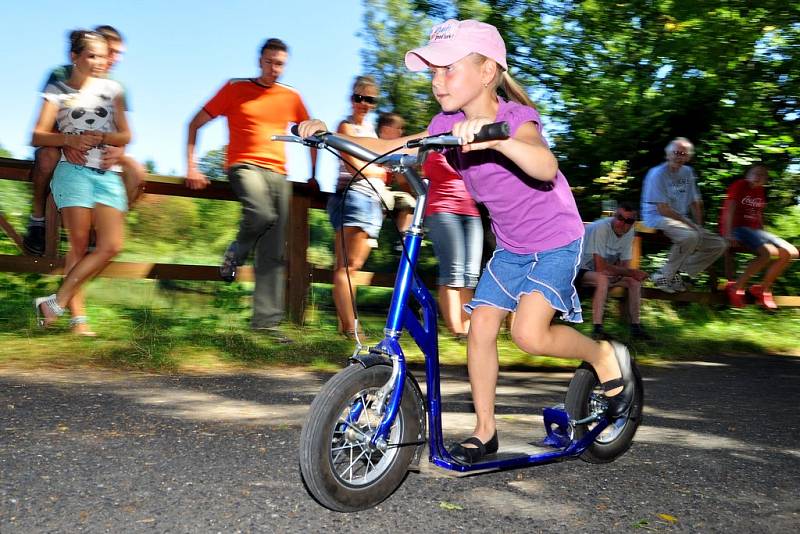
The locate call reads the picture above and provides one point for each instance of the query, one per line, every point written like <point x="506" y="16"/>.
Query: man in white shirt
<point x="605" y="263"/>
<point x="669" y="196"/>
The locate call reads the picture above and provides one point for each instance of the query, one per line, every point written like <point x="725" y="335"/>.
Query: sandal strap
<point x="52" y="303"/>
<point x="78" y="319"/>
<point x="612" y="384"/>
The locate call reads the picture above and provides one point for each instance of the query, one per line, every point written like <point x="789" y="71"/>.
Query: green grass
<point x="204" y="327"/>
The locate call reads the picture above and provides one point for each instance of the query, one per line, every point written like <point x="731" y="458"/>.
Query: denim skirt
<point x="508" y="276"/>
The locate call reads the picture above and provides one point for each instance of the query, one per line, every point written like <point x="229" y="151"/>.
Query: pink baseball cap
<point x="456" y="39"/>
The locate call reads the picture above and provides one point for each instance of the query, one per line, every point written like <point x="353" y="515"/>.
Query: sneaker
<point x="227" y="271"/>
<point x="33" y="242"/>
<point x="676" y="283"/>
<point x="735" y="296"/>
<point x="767" y="301"/>
<point x="639" y="333"/>
<point x="598" y="334"/>
<point x="662" y="282"/>
<point x="274" y="333"/>
<point x="764" y="298"/>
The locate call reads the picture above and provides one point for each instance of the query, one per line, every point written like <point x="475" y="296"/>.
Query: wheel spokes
<point x="352" y="458"/>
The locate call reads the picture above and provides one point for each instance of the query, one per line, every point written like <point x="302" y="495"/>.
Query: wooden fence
<point x="300" y="273"/>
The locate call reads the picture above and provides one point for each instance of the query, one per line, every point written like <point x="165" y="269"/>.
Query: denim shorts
<point x="508" y="276"/>
<point x="398" y="200"/>
<point x="363" y="211"/>
<point x="755" y="238"/>
<point x="79" y="186"/>
<point x="458" y="245"/>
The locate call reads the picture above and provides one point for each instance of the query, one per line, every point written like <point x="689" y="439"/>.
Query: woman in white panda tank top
<point x="85" y="113"/>
<point x="357" y="215"/>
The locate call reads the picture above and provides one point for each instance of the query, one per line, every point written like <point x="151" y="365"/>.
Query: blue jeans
<point x="458" y="245"/>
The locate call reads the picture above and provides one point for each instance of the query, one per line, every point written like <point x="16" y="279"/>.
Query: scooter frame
<point x="558" y="425"/>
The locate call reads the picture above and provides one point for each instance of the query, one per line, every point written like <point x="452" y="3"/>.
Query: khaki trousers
<point x="265" y="197"/>
<point x="693" y="248"/>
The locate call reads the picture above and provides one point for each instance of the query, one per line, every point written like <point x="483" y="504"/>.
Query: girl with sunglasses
<point x="355" y="209"/>
<point x="534" y="217"/>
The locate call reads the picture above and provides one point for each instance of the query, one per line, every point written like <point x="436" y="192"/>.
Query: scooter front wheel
<point x="340" y="468"/>
<point x="583" y="399"/>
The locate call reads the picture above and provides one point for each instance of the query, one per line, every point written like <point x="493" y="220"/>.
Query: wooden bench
<point x="715" y="296"/>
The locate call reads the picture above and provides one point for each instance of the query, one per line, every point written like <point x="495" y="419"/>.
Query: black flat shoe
<point x="470" y="455"/>
<point x="620" y="404"/>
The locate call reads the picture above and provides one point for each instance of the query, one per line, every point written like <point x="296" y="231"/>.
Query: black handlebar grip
<point x="296" y="131"/>
<point x="493" y="132"/>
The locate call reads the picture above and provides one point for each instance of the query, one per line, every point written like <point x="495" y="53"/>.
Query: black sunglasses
<point x="626" y="221"/>
<point x="364" y="98"/>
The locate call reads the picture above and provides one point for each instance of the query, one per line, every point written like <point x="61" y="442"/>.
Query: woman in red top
<point x="454" y="227"/>
<point x="742" y="220"/>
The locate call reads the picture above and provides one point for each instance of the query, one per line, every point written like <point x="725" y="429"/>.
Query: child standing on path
<point x="534" y="217"/>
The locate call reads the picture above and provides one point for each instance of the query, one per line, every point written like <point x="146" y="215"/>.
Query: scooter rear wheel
<point x="583" y="398"/>
<point x="338" y="466"/>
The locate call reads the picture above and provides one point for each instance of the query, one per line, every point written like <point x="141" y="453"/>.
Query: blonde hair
<point x="503" y="80"/>
<point x="364" y="81"/>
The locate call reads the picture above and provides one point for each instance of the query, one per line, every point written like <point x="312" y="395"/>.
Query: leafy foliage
<point x="618" y="79"/>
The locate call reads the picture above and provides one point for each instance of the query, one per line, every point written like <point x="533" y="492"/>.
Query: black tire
<point x="332" y="476"/>
<point x="616" y="439"/>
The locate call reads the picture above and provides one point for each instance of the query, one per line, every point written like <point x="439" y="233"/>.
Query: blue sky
<point x="179" y="53"/>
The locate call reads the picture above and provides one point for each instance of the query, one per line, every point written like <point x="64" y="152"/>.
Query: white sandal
<point x="50" y="303"/>
<point x="77" y="325"/>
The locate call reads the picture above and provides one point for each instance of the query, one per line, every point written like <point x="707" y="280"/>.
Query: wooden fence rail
<point x="300" y="273"/>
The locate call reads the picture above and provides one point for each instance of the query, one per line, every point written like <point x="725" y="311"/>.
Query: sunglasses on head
<point x="626" y="220"/>
<point x="364" y="98"/>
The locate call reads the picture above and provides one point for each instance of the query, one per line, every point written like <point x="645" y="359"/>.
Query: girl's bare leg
<point x="785" y="256"/>
<point x="450" y="304"/>
<point x="534" y="333"/>
<point x="358" y="250"/>
<point x="483" y="367"/>
<point x="465" y="294"/>
<point x="110" y="234"/>
<point x="754" y="267"/>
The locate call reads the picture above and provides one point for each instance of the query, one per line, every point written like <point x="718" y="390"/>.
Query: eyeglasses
<point x="680" y="153"/>
<point x="364" y="98"/>
<point x="632" y="220"/>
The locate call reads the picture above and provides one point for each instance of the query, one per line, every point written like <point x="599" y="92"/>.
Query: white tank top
<point x="360" y="184"/>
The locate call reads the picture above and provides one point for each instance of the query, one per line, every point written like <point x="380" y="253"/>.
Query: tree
<point x="616" y="80"/>
<point x="212" y="164"/>
<point x="391" y="28"/>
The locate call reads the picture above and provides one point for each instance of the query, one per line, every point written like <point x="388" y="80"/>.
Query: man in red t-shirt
<point x="742" y="220"/>
<point x="256" y="109"/>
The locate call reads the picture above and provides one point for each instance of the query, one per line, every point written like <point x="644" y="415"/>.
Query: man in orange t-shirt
<point x="256" y="109"/>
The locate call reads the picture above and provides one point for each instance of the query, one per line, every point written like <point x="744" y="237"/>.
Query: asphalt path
<point x="113" y="451"/>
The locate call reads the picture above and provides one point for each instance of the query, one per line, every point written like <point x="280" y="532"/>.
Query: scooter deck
<point x="509" y="450"/>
